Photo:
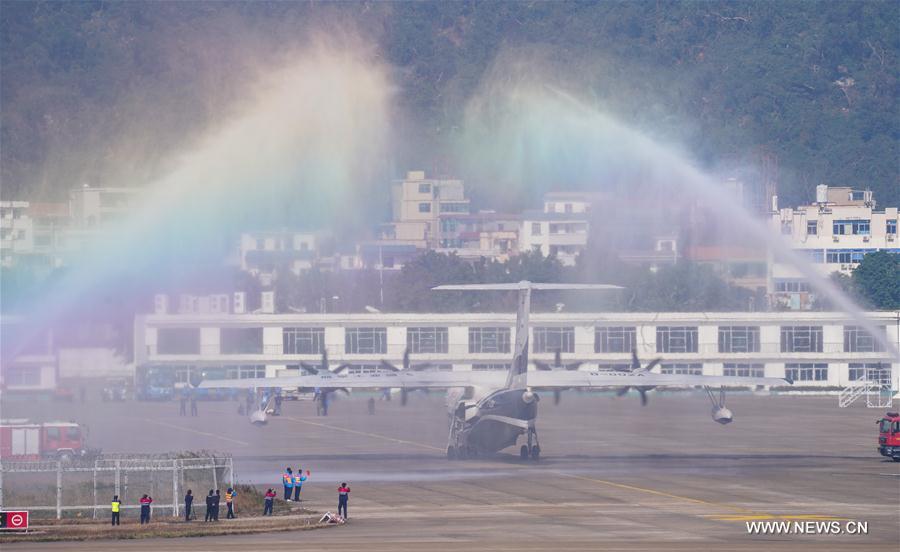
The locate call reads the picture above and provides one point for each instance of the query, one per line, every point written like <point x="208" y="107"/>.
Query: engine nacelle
<point x="529" y="397"/>
<point x="722" y="415"/>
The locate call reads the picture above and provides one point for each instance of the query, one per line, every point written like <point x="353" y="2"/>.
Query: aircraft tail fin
<point x="518" y="369"/>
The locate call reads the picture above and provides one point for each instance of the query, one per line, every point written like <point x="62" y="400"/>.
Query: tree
<point x="877" y="280"/>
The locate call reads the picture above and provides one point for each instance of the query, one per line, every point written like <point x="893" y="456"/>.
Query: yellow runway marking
<point x="661" y="493"/>
<point x="746" y="515"/>
<point x="365" y="433"/>
<point x="196" y="431"/>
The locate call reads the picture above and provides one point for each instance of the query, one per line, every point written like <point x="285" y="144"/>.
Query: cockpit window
<point x="885" y="426"/>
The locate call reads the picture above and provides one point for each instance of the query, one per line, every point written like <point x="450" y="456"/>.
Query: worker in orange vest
<point x="299" y="478"/>
<point x="229" y="502"/>
<point x="287" y="479"/>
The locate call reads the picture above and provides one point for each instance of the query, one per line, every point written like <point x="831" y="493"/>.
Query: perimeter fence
<point x="87" y="486"/>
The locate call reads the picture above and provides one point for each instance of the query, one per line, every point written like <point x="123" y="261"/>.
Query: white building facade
<point x="560" y="229"/>
<point x="820" y="349"/>
<point x="16" y="232"/>
<point x="834" y="234"/>
<point x="263" y="253"/>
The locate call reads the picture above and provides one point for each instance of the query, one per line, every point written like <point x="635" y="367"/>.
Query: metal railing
<point x="119" y="466"/>
<point x="875" y="385"/>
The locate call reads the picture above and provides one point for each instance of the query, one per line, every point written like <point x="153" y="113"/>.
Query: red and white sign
<point x="14" y="520"/>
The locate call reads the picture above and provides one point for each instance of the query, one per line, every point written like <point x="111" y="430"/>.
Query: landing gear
<point x="533" y="448"/>
<point x="456" y="448"/>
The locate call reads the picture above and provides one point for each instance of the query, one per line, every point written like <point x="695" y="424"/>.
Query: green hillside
<point x="813" y="84"/>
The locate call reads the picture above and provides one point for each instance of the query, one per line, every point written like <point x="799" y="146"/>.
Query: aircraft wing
<point x="587" y="380"/>
<point x="403" y="379"/>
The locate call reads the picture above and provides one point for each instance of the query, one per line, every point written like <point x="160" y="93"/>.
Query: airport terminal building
<point x="824" y="349"/>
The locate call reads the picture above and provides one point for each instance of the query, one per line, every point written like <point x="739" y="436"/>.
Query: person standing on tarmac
<point x="193" y="403"/>
<point x="210" y="501"/>
<point x="188" y="503"/>
<point x="216" y="501"/>
<point x="182" y="403"/>
<point x="343" y="498"/>
<point x="146" y="501"/>
<point x="229" y="502"/>
<point x="299" y="478"/>
<point x="114" y="507"/>
<point x="287" y="479"/>
<point x="270" y="501"/>
<point x="278" y="400"/>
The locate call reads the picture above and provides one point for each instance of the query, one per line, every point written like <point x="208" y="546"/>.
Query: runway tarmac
<point x="613" y="475"/>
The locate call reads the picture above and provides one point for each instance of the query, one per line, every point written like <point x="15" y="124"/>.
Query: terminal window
<point x="873" y="371"/>
<point x="489" y="340"/>
<point x="691" y="369"/>
<point x="362" y="341"/>
<point x="427" y="340"/>
<point x="550" y="339"/>
<point x="801" y="339"/>
<point x="743" y="370"/>
<point x="178" y="341"/>
<point x="791" y="286"/>
<point x="614" y="339"/>
<point x="241" y="341"/>
<point x="858" y="340"/>
<point x="358" y="369"/>
<point x="676" y="339"/>
<point x="806" y="372"/>
<point x="739" y="339"/>
<point x="303" y="341"/>
<point x="490" y="367"/>
<point x="245" y="372"/>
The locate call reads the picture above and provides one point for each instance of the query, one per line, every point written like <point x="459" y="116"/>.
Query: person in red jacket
<point x="343" y="497"/>
<point x="270" y="500"/>
<point x="146" y="501"/>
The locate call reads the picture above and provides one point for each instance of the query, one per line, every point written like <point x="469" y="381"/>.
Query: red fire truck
<point x="23" y="440"/>
<point x="889" y="436"/>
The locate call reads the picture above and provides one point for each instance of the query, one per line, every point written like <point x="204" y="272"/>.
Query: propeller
<point x="407" y="365"/>
<point x="636" y="368"/>
<point x="323" y="366"/>
<point x="557" y="365"/>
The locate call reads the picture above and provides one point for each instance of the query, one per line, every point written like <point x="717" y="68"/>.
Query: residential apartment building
<point x="417" y="204"/>
<point x="484" y="234"/>
<point x="16" y="232"/>
<point x="833" y="234"/>
<point x="561" y="229"/>
<point x="262" y="254"/>
<point x="812" y="348"/>
<point x="92" y="207"/>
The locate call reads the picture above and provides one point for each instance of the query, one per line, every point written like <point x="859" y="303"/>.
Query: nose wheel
<point x="533" y="448"/>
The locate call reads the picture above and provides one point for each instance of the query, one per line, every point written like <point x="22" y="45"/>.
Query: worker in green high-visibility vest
<point x="114" y="507"/>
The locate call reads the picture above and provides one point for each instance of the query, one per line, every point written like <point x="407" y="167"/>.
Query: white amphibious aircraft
<point x="489" y="411"/>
